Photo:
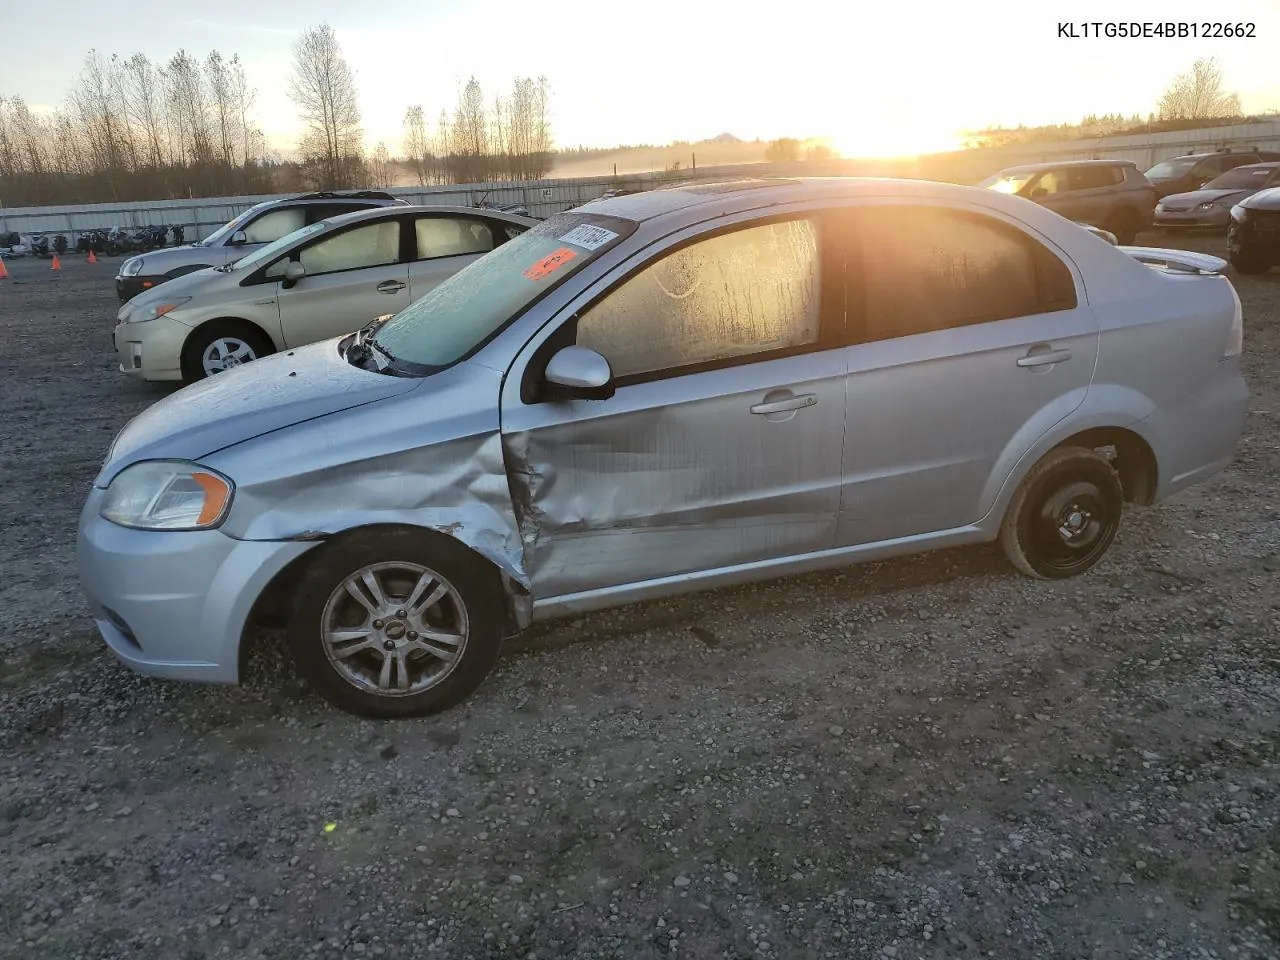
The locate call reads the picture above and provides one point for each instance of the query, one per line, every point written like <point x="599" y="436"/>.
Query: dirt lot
<point x="931" y="757"/>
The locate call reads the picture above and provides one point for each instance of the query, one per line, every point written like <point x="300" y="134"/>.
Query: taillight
<point x="1235" y="339"/>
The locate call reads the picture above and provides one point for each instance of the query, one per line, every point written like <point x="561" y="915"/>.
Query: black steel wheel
<point x="1064" y="516"/>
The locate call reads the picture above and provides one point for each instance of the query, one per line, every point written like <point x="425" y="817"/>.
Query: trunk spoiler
<point x="1178" y="261"/>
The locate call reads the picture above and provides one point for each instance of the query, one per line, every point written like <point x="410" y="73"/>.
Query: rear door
<point x="445" y="243"/>
<point x="352" y="276"/>
<point x="1094" y="191"/>
<point x="969" y="338"/>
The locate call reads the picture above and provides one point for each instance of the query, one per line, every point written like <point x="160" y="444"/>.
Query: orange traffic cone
<point x="4" y="274"/>
<point x="57" y="264"/>
<point x="92" y="258"/>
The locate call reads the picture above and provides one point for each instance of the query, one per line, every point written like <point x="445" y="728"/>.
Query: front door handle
<point x="1043" y="359"/>
<point x="781" y="406"/>
<point x="391" y="286"/>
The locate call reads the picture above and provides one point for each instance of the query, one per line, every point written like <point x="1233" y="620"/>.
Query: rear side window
<point x="451" y="237"/>
<point x="923" y="269"/>
<point x="1093" y="178"/>
<point x="274" y="224"/>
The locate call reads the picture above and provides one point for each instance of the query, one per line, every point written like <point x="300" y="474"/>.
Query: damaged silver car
<point x="657" y="393"/>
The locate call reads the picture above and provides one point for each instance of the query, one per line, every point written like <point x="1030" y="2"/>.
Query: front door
<point x="969" y="341"/>
<point x="722" y="443"/>
<point x="352" y="276"/>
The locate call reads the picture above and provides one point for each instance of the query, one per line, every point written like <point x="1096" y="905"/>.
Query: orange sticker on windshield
<point x="550" y="263"/>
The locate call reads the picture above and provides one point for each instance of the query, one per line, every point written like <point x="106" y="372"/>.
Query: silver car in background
<point x="1210" y="206"/>
<point x="652" y="394"/>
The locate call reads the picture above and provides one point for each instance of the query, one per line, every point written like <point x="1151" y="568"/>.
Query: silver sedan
<point x="658" y="393"/>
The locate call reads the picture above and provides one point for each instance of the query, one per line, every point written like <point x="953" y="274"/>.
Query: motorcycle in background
<point x="60" y="244"/>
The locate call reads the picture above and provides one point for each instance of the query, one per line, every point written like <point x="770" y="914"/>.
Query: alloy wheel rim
<point x="225" y="353"/>
<point x="394" y="629"/>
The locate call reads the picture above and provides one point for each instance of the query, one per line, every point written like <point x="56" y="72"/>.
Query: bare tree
<point x="380" y="173"/>
<point x="188" y="105"/>
<point x="145" y="106"/>
<point x="471" y="133"/>
<point x="1199" y="94"/>
<point x="323" y="86"/>
<point x="416" y="146"/>
<point x="225" y="112"/>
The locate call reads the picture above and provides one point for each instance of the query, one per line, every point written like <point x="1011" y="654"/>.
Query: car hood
<point x="1194" y="197"/>
<point x="228" y="408"/>
<point x="1268" y="199"/>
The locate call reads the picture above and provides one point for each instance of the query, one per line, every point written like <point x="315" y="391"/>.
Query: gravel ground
<point x="931" y="757"/>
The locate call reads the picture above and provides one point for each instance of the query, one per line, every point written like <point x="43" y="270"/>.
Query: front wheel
<point x="397" y="623"/>
<point x="220" y="345"/>
<point x="1064" y="515"/>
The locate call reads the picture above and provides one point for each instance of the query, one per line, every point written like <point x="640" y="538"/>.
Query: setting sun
<point x="888" y="139"/>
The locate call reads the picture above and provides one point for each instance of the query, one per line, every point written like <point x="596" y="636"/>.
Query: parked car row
<point x="649" y="394"/>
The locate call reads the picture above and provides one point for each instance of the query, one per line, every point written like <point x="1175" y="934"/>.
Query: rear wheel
<point x="220" y="345"/>
<point x="397" y="623"/>
<point x="1064" y="515"/>
<point x="1124" y="224"/>
<point x="1242" y="258"/>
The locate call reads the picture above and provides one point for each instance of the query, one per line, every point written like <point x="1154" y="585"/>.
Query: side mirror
<point x="293" y="272"/>
<point x="238" y="238"/>
<point x="576" y="373"/>
<point x="1038" y="193"/>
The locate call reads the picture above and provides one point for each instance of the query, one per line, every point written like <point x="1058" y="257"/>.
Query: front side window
<point x="923" y="269"/>
<point x="1053" y="182"/>
<point x="752" y="291"/>
<point x="373" y="245"/>
<point x="273" y="225"/>
<point x="451" y="237"/>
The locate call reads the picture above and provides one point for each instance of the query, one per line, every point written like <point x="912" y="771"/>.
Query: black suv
<point x="1193" y="171"/>
<point x="1253" y="235"/>
<point x="261" y="224"/>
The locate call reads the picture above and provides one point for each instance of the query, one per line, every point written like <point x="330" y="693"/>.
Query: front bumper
<point x="151" y="350"/>
<point x="174" y="605"/>
<point x="1192" y="218"/>
<point x="129" y="287"/>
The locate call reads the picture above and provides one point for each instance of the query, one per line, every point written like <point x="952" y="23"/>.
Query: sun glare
<point x="892" y="140"/>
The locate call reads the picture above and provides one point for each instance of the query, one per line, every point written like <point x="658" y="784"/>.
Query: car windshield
<point x="1172" y="169"/>
<point x="273" y="249"/>
<point x="231" y="226"/>
<point x="475" y="303"/>
<point x="1007" y="182"/>
<point x="1241" y="178"/>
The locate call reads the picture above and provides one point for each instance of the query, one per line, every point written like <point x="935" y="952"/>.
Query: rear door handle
<point x="391" y="286"/>
<point x="780" y="406"/>
<point x="1043" y="359"/>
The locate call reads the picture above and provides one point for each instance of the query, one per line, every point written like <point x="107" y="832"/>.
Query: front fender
<point x="1104" y="405"/>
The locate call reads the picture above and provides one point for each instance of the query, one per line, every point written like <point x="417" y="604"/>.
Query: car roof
<point x="375" y="213"/>
<point x="725" y="196"/>
<point x="1265" y="165"/>
<point x="1060" y="164"/>
<point x="1206" y="156"/>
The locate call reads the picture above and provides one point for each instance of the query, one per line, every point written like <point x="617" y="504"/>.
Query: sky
<point x="875" y="79"/>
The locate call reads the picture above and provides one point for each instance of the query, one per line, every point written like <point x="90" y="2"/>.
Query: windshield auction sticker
<point x="550" y="263"/>
<point x="588" y="237"/>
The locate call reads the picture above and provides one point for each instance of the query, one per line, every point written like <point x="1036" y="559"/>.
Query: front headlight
<point x="155" y="310"/>
<point x="167" y="495"/>
<point x="1239" y="213"/>
<point x="132" y="267"/>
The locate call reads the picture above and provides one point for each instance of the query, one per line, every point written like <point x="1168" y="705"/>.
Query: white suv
<point x="326" y="279"/>
<point x="261" y="224"/>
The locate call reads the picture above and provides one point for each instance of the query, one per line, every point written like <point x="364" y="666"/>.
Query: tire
<point x="1072" y="487"/>
<point x="1124" y="224"/>
<point x="232" y="340"/>
<point x="404" y="563"/>
<point x="1242" y="261"/>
